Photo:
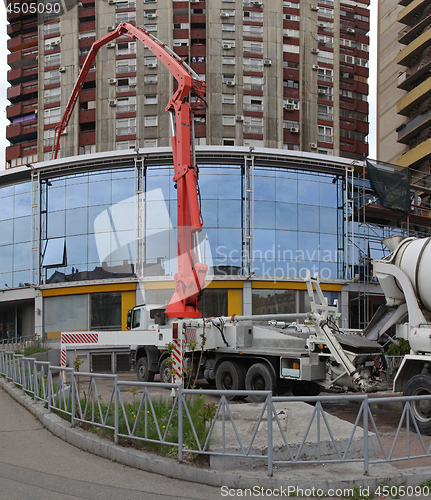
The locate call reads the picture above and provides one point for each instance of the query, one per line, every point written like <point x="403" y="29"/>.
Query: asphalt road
<point x="36" y="465"/>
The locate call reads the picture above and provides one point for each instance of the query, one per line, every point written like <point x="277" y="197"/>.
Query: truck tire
<point x="305" y="388"/>
<point x="420" y="385"/>
<point x="230" y="376"/>
<point x="165" y="372"/>
<point x="259" y="378"/>
<point x="142" y="371"/>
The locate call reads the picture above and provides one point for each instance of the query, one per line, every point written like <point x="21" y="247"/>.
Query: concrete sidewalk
<point x="297" y="477"/>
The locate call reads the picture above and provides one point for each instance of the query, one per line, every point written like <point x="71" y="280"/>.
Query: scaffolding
<point x="373" y="222"/>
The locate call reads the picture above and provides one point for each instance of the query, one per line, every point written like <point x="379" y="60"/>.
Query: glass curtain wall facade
<point x="87" y="228"/>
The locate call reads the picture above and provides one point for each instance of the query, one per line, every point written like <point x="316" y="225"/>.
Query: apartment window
<point x="324" y="12"/>
<point x="256" y="143"/>
<point x="253" y="124"/>
<point x="252" y="103"/>
<point x="324" y="134"/>
<point x="126" y="104"/>
<point x="181" y="26"/>
<point x="52" y="115"/>
<point x="253" y="64"/>
<point x="325" y="74"/>
<point x="150" y="143"/>
<point x="151" y="99"/>
<point x="126" y="66"/>
<point x="325" y="112"/>
<point x="126" y="126"/>
<point x="125" y="17"/>
<point x="88" y="149"/>
<point x="229" y="60"/>
<point x="228" y="27"/>
<point x="125" y="145"/>
<point x="52" y="60"/>
<point x="48" y="137"/>
<point x="126" y="84"/>
<point x="251" y="47"/>
<point x="228" y="121"/>
<point x="179" y="42"/>
<point x="52" y="95"/>
<point x="52" y="77"/>
<point x="151" y="121"/>
<point x="150" y="60"/>
<point x="151" y="27"/>
<point x="228" y="142"/>
<point x="228" y="44"/>
<point x="256" y="31"/>
<point x="150" y="79"/>
<point x="253" y="83"/>
<point x="228" y="98"/>
<point x="231" y="13"/>
<point x="291" y="17"/>
<point x="51" y="28"/>
<point x="125" y="4"/>
<point x="199" y="59"/>
<point x="126" y="48"/>
<point x="291" y="104"/>
<point x="254" y="16"/>
<point x="292" y="49"/>
<point x="86" y="34"/>
<point x="325" y="57"/>
<point x="229" y="79"/>
<point x="52" y="43"/>
<point x="324" y="151"/>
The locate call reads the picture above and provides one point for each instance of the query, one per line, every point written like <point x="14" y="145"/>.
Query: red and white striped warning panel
<point x="63" y="357"/>
<point x="177" y="358"/>
<point x="79" y="338"/>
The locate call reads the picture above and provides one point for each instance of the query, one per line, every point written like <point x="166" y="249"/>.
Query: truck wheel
<point x="142" y="371"/>
<point x="259" y="378"/>
<point x="305" y="388"/>
<point x="230" y="376"/>
<point x="420" y="385"/>
<point x="165" y="372"/>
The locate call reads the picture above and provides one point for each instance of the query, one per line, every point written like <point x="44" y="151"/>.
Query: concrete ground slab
<point x="297" y="424"/>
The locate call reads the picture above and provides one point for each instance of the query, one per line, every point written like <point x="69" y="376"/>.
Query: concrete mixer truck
<point x="405" y="277"/>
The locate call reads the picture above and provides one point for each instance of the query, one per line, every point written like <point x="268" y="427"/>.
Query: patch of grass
<point x="149" y="422"/>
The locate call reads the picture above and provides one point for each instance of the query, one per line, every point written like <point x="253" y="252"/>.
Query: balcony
<point x="414" y="49"/>
<point x="22" y="27"/>
<point x="23" y="131"/>
<point x="22" y="58"/>
<point x="22" y="42"/>
<point x="414" y="98"/>
<point x="407" y="15"/>
<point x="22" y="75"/>
<point x="86" y="138"/>
<point x="407" y="79"/>
<point x="22" y="91"/>
<point x="416" y="155"/>
<point x="408" y="34"/>
<point x="414" y="127"/>
<point x="20" y="108"/>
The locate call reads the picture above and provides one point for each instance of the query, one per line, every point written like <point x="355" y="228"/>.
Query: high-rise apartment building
<point x="415" y="79"/>
<point x="280" y="74"/>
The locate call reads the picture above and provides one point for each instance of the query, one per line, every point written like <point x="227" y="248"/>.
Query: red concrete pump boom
<point x="190" y="278"/>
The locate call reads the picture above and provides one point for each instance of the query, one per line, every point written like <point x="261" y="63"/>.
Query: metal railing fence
<point x="82" y="403"/>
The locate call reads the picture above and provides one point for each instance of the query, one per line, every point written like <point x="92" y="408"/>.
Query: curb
<point x="324" y="477"/>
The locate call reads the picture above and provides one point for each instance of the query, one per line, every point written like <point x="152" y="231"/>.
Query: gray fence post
<point x="180" y="423"/>
<point x="23" y="375"/>
<point x="269" y="418"/>
<point x="34" y="379"/>
<point x="116" y="419"/>
<point x="365" y="420"/>
<point x="72" y="395"/>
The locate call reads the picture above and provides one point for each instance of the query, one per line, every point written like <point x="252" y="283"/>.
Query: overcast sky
<point x="4" y="68"/>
